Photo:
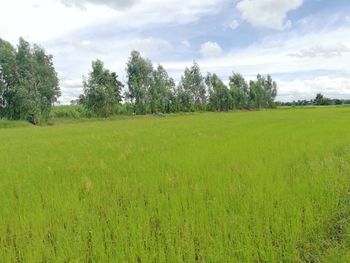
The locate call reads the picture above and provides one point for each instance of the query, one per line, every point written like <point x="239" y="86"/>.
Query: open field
<point x="266" y="186"/>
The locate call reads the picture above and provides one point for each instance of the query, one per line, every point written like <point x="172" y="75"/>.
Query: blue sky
<point x="303" y="44"/>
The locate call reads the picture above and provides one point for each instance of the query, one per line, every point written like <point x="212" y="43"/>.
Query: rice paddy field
<point x="264" y="186"/>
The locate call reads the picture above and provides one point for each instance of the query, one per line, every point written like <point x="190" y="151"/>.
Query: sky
<point x="303" y="44"/>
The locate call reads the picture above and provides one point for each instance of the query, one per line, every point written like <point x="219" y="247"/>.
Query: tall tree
<point x="29" y="82"/>
<point x="220" y="98"/>
<point x="192" y="82"/>
<point x="239" y="91"/>
<point x="46" y="81"/>
<point x="256" y="95"/>
<point x="263" y="92"/>
<point x="160" y="93"/>
<point x="322" y="100"/>
<point x="270" y="89"/>
<point x="102" y="90"/>
<point x="9" y="78"/>
<point x="140" y="78"/>
<point x="184" y="100"/>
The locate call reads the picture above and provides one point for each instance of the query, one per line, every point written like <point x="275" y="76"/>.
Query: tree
<point x="220" y="98"/>
<point x="140" y="78"/>
<point x="184" y="100"/>
<point x="321" y="100"/>
<point x="173" y="102"/>
<point x="160" y="92"/>
<point x="46" y="80"/>
<point x="27" y="97"/>
<point x="262" y="92"/>
<point x="270" y="90"/>
<point x="338" y="102"/>
<point x="28" y="81"/>
<point x="102" y="90"/>
<point x="239" y="91"/>
<point x="9" y="78"/>
<point x="192" y="83"/>
<point x="256" y="95"/>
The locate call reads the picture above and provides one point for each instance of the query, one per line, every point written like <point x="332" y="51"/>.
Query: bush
<point x="69" y="112"/>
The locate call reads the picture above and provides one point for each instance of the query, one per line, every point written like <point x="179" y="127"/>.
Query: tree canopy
<point x="139" y="73"/>
<point x="102" y="90"/>
<point x="192" y="83"/>
<point x="28" y="81"/>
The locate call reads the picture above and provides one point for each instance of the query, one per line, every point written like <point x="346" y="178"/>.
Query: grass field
<point x="266" y="186"/>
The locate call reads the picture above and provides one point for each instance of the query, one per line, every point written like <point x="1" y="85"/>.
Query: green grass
<point x="266" y="186"/>
<point x="13" y="124"/>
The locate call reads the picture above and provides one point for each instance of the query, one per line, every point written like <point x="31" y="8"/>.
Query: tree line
<point x="29" y="87"/>
<point x="150" y="90"/>
<point x="319" y="100"/>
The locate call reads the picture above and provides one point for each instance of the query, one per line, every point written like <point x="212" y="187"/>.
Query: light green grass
<point x="267" y="186"/>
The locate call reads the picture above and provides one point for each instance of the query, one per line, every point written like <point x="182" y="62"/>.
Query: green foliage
<point x="220" y="98"/>
<point x="264" y="186"/>
<point x="69" y="112"/>
<point x="239" y="91"/>
<point x="263" y="92"/>
<point x="258" y="94"/>
<point x="29" y="86"/>
<point x="28" y="81"/>
<point x="338" y="102"/>
<point x="321" y="100"/>
<point x="152" y="91"/>
<point x="160" y="92"/>
<point x="140" y="79"/>
<point x="192" y="83"/>
<point x="184" y="101"/>
<point x="102" y="90"/>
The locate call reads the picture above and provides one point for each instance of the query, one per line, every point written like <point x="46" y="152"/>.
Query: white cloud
<point x="186" y="43"/>
<point x="147" y="46"/>
<point x="150" y="12"/>
<point x="210" y="50"/>
<point x="118" y="4"/>
<point x="43" y="20"/>
<point x="70" y="88"/>
<point x="268" y="13"/>
<point x="321" y="50"/>
<point x="234" y="24"/>
<point x="272" y="56"/>
<point x="330" y="86"/>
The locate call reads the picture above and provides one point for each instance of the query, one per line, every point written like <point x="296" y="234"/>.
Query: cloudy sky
<point x="303" y="44"/>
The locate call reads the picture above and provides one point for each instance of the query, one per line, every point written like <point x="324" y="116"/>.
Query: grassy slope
<point x="248" y="186"/>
